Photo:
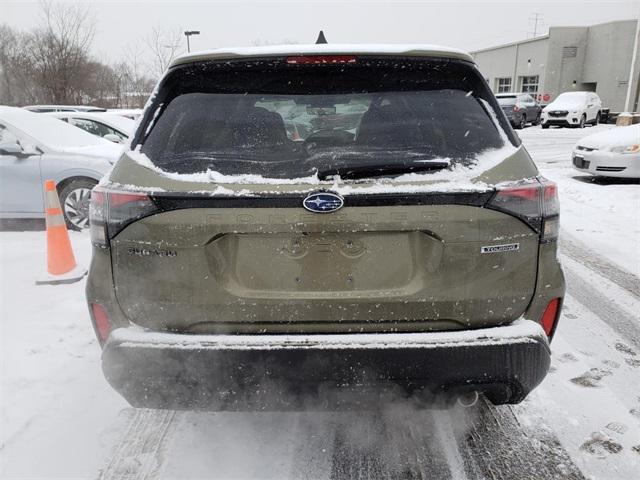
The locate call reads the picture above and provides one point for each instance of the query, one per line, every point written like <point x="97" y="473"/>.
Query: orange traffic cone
<point x="61" y="263"/>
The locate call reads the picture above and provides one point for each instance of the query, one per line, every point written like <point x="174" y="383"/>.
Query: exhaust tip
<point x="468" y="399"/>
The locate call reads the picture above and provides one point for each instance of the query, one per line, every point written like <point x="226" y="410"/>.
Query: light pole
<point x="187" y="34"/>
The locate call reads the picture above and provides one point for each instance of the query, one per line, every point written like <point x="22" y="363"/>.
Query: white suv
<point x="572" y="109"/>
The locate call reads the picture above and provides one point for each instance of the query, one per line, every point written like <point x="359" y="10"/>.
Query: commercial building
<point x="596" y="58"/>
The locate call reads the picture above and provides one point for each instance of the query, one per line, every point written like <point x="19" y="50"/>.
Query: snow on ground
<point x="603" y="214"/>
<point x="56" y="409"/>
<point x="60" y="419"/>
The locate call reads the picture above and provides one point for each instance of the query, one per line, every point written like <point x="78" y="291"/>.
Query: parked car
<point x="520" y="108"/>
<point x="236" y="267"/>
<point x="35" y="148"/>
<point x="114" y="128"/>
<point x="573" y="109"/>
<point x="130" y="113"/>
<point x="63" y="108"/>
<point x="613" y="153"/>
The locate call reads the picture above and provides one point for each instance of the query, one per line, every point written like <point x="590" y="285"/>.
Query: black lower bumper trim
<point x="193" y="375"/>
<point x="560" y="123"/>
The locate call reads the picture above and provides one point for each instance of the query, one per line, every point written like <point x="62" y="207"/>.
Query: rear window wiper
<point x="381" y="169"/>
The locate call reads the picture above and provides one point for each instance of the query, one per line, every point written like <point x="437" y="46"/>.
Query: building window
<point x="529" y="84"/>
<point x="503" y="85"/>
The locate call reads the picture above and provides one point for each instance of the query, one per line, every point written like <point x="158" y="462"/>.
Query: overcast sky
<point x="468" y="25"/>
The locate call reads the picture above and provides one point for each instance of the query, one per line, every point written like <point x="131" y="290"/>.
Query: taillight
<point x="101" y="322"/>
<point x="111" y="210"/>
<point x="550" y="211"/>
<point x="535" y="202"/>
<point x="550" y="317"/>
<point x="516" y="108"/>
<point x="320" y="59"/>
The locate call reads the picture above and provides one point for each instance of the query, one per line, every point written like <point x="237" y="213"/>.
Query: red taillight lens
<point x="535" y="202"/>
<point x="516" y="108"/>
<point x="101" y="322"/>
<point x="112" y="210"/>
<point x="522" y="199"/>
<point x="320" y="59"/>
<point x="550" y="317"/>
<point x="117" y="199"/>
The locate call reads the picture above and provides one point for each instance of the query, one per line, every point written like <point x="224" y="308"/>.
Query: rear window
<point x="507" y="100"/>
<point x="280" y="119"/>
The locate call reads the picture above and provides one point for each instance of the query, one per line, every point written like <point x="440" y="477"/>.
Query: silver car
<point x="34" y="148"/>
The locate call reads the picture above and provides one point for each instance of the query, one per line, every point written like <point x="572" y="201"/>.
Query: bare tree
<point x="60" y="50"/>
<point x="165" y="45"/>
<point x="52" y="63"/>
<point x="8" y="41"/>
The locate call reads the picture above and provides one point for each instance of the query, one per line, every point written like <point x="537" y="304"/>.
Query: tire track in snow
<point x="139" y="454"/>
<point x="580" y="253"/>
<point x="401" y="443"/>
<point x="593" y="299"/>
<point x="503" y="449"/>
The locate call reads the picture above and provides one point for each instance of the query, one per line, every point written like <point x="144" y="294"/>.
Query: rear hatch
<point x="507" y="103"/>
<point x="219" y="220"/>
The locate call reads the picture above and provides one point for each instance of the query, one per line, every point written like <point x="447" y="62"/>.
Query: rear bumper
<point x="228" y="372"/>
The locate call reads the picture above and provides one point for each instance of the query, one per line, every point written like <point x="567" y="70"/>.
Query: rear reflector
<point x="101" y="322"/>
<point x="550" y="316"/>
<point x="321" y="59"/>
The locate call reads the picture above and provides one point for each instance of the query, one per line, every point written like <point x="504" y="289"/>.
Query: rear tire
<point x="597" y="120"/>
<point x="523" y="122"/>
<point x="536" y="121"/>
<point x="74" y="200"/>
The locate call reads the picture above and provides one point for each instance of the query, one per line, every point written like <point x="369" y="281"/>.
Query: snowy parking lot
<point x="60" y="419"/>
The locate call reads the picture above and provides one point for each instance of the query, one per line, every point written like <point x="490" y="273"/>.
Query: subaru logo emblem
<point x="323" y="202"/>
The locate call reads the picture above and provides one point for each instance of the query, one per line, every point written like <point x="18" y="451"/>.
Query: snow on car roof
<point x="49" y="131"/>
<point x="614" y="137"/>
<point x="417" y="50"/>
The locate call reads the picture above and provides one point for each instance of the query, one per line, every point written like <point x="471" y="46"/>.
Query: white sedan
<point x="35" y="147"/>
<point x="109" y="126"/>
<point x="614" y="153"/>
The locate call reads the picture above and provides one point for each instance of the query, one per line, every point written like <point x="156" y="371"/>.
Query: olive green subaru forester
<point x="289" y="219"/>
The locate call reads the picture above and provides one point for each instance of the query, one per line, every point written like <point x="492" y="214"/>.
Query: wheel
<point x="583" y="121"/>
<point x="536" y="121"/>
<point x="545" y="125"/>
<point x="597" y="120"/>
<point x="523" y="122"/>
<point x="74" y="199"/>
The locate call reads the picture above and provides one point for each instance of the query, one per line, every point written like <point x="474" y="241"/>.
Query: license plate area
<point x="321" y="262"/>
<point x="580" y="162"/>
